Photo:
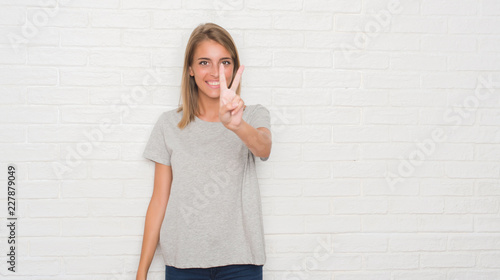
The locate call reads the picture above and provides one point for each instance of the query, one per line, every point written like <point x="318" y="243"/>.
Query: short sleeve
<point x="156" y="147"/>
<point x="261" y="118"/>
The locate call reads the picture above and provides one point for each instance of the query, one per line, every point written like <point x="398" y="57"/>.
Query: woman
<point x="204" y="154"/>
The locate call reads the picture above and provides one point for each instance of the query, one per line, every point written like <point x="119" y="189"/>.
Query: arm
<point x="154" y="217"/>
<point x="258" y="140"/>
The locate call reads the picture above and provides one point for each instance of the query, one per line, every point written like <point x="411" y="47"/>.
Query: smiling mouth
<point x="213" y="83"/>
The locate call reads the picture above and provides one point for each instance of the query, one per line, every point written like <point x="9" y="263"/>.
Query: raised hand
<point x="231" y="105"/>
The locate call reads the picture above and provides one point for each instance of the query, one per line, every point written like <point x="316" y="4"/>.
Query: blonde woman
<point x="205" y="210"/>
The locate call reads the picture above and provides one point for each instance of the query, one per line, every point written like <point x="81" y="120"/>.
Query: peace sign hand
<point x="231" y="105"/>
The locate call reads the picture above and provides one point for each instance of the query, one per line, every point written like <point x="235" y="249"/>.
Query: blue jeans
<point x="227" y="272"/>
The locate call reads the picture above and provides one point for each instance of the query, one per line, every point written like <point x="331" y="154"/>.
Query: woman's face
<point x="205" y="68"/>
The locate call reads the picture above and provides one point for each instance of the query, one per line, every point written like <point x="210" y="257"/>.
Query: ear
<point x="191" y="73"/>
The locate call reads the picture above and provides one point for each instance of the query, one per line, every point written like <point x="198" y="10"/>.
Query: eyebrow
<point x="210" y="59"/>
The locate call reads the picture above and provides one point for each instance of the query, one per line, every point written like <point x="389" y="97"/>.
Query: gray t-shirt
<point x="214" y="214"/>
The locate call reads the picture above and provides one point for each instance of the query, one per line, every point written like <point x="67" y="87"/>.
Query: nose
<point x="215" y="70"/>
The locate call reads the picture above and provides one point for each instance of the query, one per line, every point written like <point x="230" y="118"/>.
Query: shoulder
<point x="256" y="109"/>
<point x="170" y="117"/>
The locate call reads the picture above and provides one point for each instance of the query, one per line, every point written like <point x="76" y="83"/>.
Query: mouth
<point x="213" y="84"/>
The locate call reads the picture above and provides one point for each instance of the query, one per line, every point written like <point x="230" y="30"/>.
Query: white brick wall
<point x="358" y="186"/>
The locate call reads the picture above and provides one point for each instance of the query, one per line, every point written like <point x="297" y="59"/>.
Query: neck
<point x="209" y="108"/>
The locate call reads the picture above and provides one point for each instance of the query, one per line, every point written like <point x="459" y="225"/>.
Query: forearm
<point x="257" y="141"/>
<point x="154" y="218"/>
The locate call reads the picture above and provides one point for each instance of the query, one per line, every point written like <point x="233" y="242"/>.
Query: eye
<point x="203" y="62"/>
<point x="228" y="62"/>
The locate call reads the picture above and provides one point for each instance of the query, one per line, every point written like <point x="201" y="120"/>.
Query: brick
<point x="415" y="242"/>
<point x="416" y="205"/>
<point x="57" y="56"/>
<point x="342" y="6"/>
<point x="359" y="97"/>
<point x="108" y="246"/>
<point x="359" y="205"/>
<point x="12" y="16"/>
<point x="117" y="170"/>
<point x="389" y="223"/>
<point x="271" y="38"/>
<point x="40" y="227"/>
<point x="448" y="42"/>
<point x="487" y="187"/>
<point x="360" y="243"/>
<point x="449" y="7"/>
<point x="10" y="55"/>
<point x="329" y="152"/>
<point x="391" y="79"/>
<point x="29" y="152"/>
<point x="302" y="206"/>
<point x="332" y="115"/>
<point x="472" y="169"/>
<point x="417" y="98"/>
<point x="446" y="223"/>
<point x="151" y="4"/>
<point x="89" y="78"/>
<point x="474" y="62"/>
<point x="58" y="208"/>
<point x="331" y="79"/>
<point x="360" y="134"/>
<point x="446" y="187"/>
<point x="117" y="207"/>
<point x="391" y="261"/>
<point x="121" y="19"/>
<point x="360" y="60"/>
<point x="298" y="134"/>
<point x="275" y="5"/>
<point x="338" y="187"/>
<point x="446" y="260"/>
<point x="471" y="205"/>
<point x="28" y="76"/>
<point x="418" y="24"/>
<point x="12" y="133"/>
<point x="214" y="5"/>
<point x="94" y="265"/>
<point x="380" y="186"/>
<point x="473" y="241"/>
<point x="332" y="224"/>
<point x="116" y="58"/>
<point x="418" y="62"/>
<point x="489" y="260"/>
<point x="414" y="275"/>
<point x="28" y="114"/>
<point x="244" y="20"/>
<point x="302" y="170"/>
<point x="391" y="115"/>
<point x="59" y="247"/>
<point x="316" y="59"/>
<point x="113" y="4"/>
<point x="403" y="7"/>
<point x="283" y="224"/>
<point x="59" y="95"/>
<point x="275" y="78"/>
<point x="98" y="188"/>
<point x="58" y="17"/>
<point x="487" y="224"/>
<point x="309" y="21"/>
<point x="90" y="37"/>
<point x="490" y="8"/>
<point x="473" y="25"/>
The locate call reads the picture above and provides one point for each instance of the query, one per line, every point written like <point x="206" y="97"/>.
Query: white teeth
<point x="213" y="83"/>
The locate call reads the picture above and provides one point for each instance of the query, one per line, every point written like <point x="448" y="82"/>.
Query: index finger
<point x="237" y="78"/>
<point x="222" y="77"/>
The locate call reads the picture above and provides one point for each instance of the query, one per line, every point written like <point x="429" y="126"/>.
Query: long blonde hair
<point x="189" y="89"/>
